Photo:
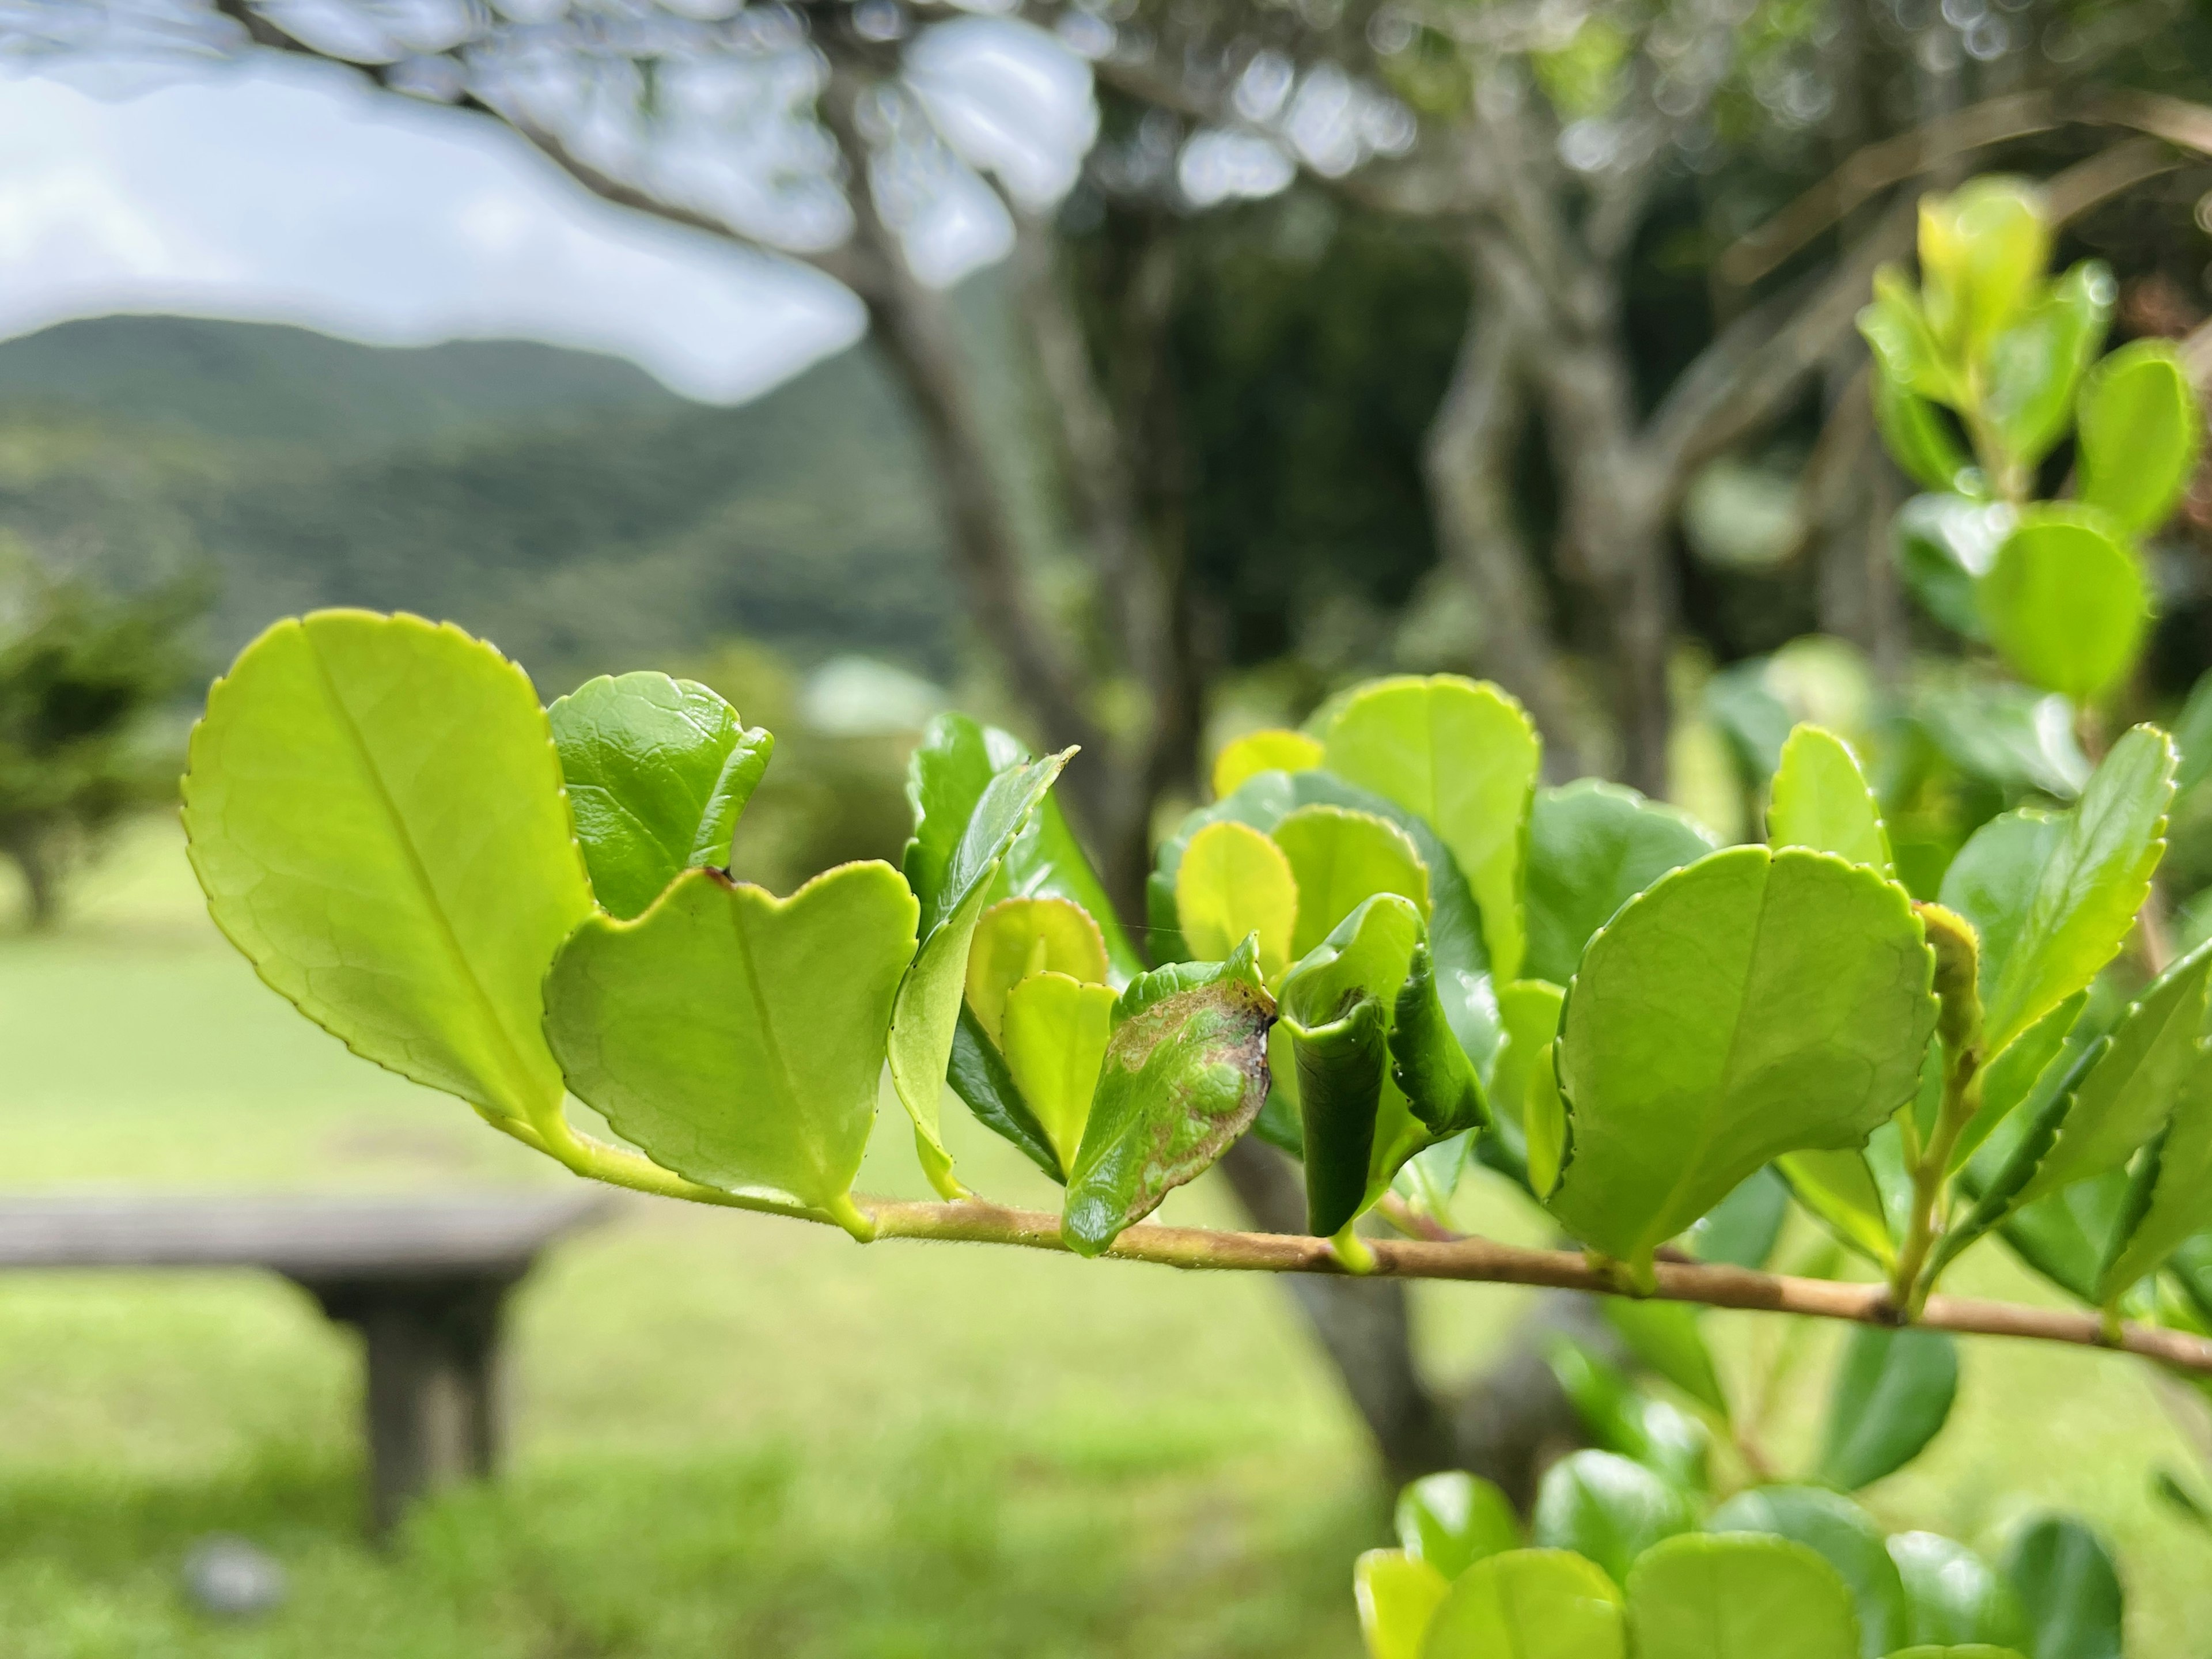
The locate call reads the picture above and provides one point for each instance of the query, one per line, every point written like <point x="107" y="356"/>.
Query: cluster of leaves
<point x="1982" y="374"/>
<point x="1616" y="1563"/>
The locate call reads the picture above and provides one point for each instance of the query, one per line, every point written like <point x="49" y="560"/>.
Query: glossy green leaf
<point x="2067" y="1236"/>
<point x="1667" y="1339"/>
<point x="1339" y="859"/>
<point x="2011" y="1078"/>
<point x="1185" y="1073"/>
<point x="1846" y="1536"/>
<point x="2140" y="433"/>
<point x="978" y="1074"/>
<point x="2066" y="603"/>
<point x="1453" y="1519"/>
<point x="735" y="1037"/>
<point x="2042" y="942"/>
<point x="1705" y="1597"/>
<point x="1945" y="544"/>
<point x="1054" y="1041"/>
<point x="951" y="873"/>
<point x="1592" y="848"/>
<point x="1840" y="1191"/>
<point x="1741" y="1229"/>
<point x="1045" y="861"/>
<point x="1235" y="882"/>
<point x="1984" y="248"/>
<point x="1397" y="1595"/>
<point x="1529" y="1604"/>
<point x="1606" y="1508"/>
<point x="1750" y="1004"/>
<point x="1464" y="757"/>
<point x="1018" y="938"/>
<point x="1619" y="1417"/>
<point x="2171" y="1197"/>
<point x="1427" y="1062"/>
<point x="1820" y="799"/>
<point x="2001" y="732"/>
<point x="1892" y="1395"/>
<point x="1273" y="750"/>
<point x="1916" y="435"/>
<point x="2068" y="1590"/>
<point x="1953" y="1596"/>
<point x="374" y="812"/>
<point x="2035" y="365"/>
<point x="658" y="771"/>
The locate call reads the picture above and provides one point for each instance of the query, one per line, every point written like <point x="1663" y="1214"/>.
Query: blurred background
<point x="1133" y="372"/>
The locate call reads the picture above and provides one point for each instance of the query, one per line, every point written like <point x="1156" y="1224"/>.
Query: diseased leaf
<point x="2140" y="432"/>
<point x="1018" y="938"/>
<point x="374" y="811"/>
<point x="1397" y="1595"/>
<point x="1529" y="1604"/>
<point x="1608" y="1509"/>
<point x="2085" y="897"/>
<point x="1464" y="757"/>
<point x="1751" y="1004"/>
<point x="1592" y="848"/>
<point x="2068" y="1590"/>
<point x="1185" y="1072"/>
<point x="657" y="772"/>
<point x="1340" y="859"/>
<point x="1235" y="882"/>
<point x="1667" y="1338"/>
<point x="1820" y="799"/>
<point x="1846" y="1536"/>
<point x="1953" y="1596"/>
<point x="2066" y="603"/>
<point x="737" y="1037"/>
<point x="1255" y="752"/>
<point x="1054" y="1040"/>
<point x="1453" y="1519"/>
<point x="1893" y="1394"/>
<point x="1702" y="1597"/>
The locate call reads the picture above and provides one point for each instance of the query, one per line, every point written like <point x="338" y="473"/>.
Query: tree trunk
<point x="27" y="845"/>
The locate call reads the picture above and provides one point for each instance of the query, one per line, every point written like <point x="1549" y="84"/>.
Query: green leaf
<point x="2005" y="734"/>
<point x="2066" y="604"/>
<point x="1397" y="1594"/>
<point x="1963" y="1650"/>
<point x="1427" y="1062"/>
<point x="978" y="1074"/>
<point x="2035" y="365"/>
<point x="1528" y="1012"/>
<point x="1820" y="799"/>
<point x="1945" y="544"/>
<point x="1916" y="433"/>
<point x="1840" y="1191"/>
<point x="735" y="1037"/>
<point x="1463" y="756"/>
<point x="1992" y="881"/>
<point x="1018" y="938"/>
<point x="1608" y="1509"/>
<point x="2066" y="1236"/>
<point x="1273" y="750"/>
<point x="1453" y="1519"/>
<point x="2083" y="900"/>
<point x="1618" y="1417"/>
<point x="1750" y="1004"/>
<point x="1546" y="1124"/>
<point x="1340" y="859"/>
<point x="1953" y="1596"/>
<point x="658" y="771"/>
<point x="1667" y="1338"/>
<point x="1741" y="1231"/>
<point x="951" y="875"/>
<point x="2172" y="1195"/>
<point x="1984" y="248"/>
<point x="1045" y="861"/>
<point x="1529" y="1604"/>
<point x="2011" y="1078"/>
<point x="1054" y="1041"/>
<point x="1235" y="882"/>
<point x="2068" y="1589"/>
<point x="1592" y="848"/>
<point x="2140" y="433"/>
<point x="1185" y="1072"/>
<point x="374" y="812"/>
<point x="1700" y="1597"/>
<point x="1904" y="346"/>
<point x="1844" y="1536"/>
<point x="1890" y="1397"/>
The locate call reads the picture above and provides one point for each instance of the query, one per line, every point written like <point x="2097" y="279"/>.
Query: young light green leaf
<point x="2066" y="603"/>
<point x="1608" y="1509"/>
<point x="1820" y="799"/>
<point x="1945" y="544"/>
<point x="1952" y="1596"/>
<point x="1963" y="1650"/>
<point x="1703" y="1597"/>
<point x="1339" y="859"/>
<point x="1529" y="1015"/>
<point x="735" y="1037"/>
<point x="1272" y="751"/>
<point x="1592" y="848"/>
<point x="374" y="808"/>
<point x="1529" y="1604"/>
<point x="1984" y="248"/>
<point x="1054" y="1040"/>
<point x="1397" y="1594"/>
<point x="1453" y="1519"/>
<point x="1750" y="1004"/>
<point x="1741" y="1229"/>
<point x="1916" y="433"/>
<point x="978" y="1073"/>
<point x="2068" y="1589"/>
<point x="1667" y="1338"/>
<point x="1235" y="882"/>
<point x="1892" y="1394"/>
<point x="2140" y="433"/>
<point x="657" y="772"/>
<point x="1904" y="346"/>
<point x="2035" y="365"/>
<point x="1844" y="1536"/>
<point x="1840" y="1191"/>
<point x="1018" y="938"/>
<point x="1045" y="861"/>
<point x="1546" y="1122"/>
<point x="1463" y="756"/>
<point x="2085" y="895"/>
<point x="1185" y="1073"/>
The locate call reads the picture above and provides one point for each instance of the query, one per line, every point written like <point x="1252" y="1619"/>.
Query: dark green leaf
<point x="1892" y="1394"/>
<point x="1453" y="1519"/>
<point x="1700" y="1597"/>
<point x="2140" y="433"/>
<point x="1952" y="1596"/>
<point x="1427" y="1062"/>
<point x="979" y="1075"/>
<point x="1846" y="1536"/>
<point x="2068" y="1590"/>
<point x="1741" y="1231"/>
<point x="1606" y="1508"/>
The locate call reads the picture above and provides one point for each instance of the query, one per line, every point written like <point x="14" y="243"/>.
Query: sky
<point x="289" y="192"/>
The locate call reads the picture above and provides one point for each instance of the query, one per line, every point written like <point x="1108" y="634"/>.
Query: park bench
<point x="424" y="1281"/>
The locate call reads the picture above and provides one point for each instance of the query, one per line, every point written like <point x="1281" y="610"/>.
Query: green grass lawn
<point x="740" y="1437"/>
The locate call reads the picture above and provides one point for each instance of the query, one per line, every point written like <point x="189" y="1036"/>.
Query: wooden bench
<point x="424" y="1281"/>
